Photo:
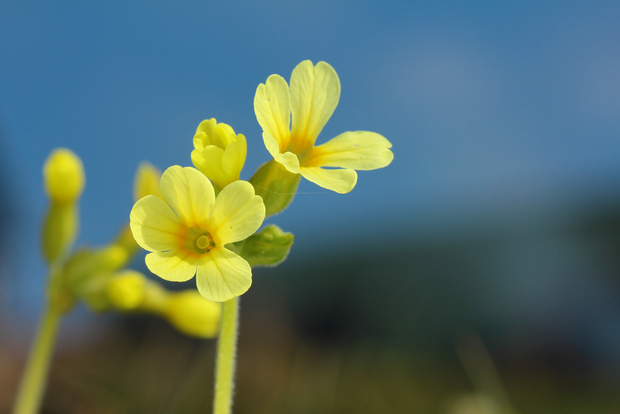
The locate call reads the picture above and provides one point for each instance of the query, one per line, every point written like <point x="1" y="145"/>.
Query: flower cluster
<point x="205" y="223"/>
<point x="95" y="275"/>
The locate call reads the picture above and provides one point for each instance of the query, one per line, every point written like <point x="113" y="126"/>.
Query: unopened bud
<point x="147" y="182"/>
<point x="192" y="314"/>
<point x="218" y="152"/>
<point x="126" y="290"/>
<point x="63" y="176"/>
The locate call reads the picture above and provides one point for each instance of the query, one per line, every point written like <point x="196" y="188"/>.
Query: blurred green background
<point x="478" y="273"/>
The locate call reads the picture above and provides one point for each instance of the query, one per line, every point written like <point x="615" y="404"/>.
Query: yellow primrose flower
<point x="218" y="152"/>
<point x="313" y="95"/>
<point x="187" y="235"/>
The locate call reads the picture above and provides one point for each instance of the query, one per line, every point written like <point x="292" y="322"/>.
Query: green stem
<point x="34" y="379"/>
<point x="226" y="351"/>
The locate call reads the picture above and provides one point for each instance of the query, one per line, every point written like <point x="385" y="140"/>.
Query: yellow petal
<point x="209" y="161"/>
<point x="288" y="159"/>
<point x="272" y="109"/>
<point x="174" y="266"/>
<point x="315" y="91"/>
<point x="153" y="224"/>
<point x="237" y="213"/>
<point x="234" y="158"/>
<point x="222" y="275"/>
<point x="341" y="181"/>
<point x="189" y="193"/>
<point x="360" y="150"/>
<point x="205" y="130"/>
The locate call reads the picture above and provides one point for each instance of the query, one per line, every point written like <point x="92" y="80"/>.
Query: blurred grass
<point x="143" y="366"/>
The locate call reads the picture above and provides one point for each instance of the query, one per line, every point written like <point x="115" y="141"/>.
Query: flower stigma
<point x="205" y="242"/>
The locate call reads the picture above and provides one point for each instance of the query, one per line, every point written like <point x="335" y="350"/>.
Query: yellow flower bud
<point x="147" y="182"/>
<point x="63" y="176"/>
<point x="192" y="314"/>
<point x="218" y="152"/>
<point x="126" y="290"/>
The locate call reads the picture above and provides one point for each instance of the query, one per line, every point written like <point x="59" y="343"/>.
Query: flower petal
<point x="210" y="162"/>
<point x="341" y="181"/>
<point x="272" y="109"/>
<point x="205" y="130"/>
<point x="189" y="193"/>
<point x="222" y="275"/>
<point x="315" y="91"/>
<point x="153" y="224"/>
<point x="237" y="213"/>
<point x="174" y="266"/>
<point x="234" y="157"/>
<point x="360" y="150"/>
<point x="288" y="159"/>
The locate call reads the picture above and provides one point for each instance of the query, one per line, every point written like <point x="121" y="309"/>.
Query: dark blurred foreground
<point x="491" y="320"/>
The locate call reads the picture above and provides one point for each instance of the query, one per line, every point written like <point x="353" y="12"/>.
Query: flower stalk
<point x="226" y="355"/>
<point x="34" y="380"/>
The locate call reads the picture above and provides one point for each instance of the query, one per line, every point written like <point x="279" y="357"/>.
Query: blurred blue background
<point x="500" y="212"/>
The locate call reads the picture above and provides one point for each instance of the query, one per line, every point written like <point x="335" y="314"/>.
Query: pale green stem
<point x="226" y="353"/>
<point x="34" y="379"/>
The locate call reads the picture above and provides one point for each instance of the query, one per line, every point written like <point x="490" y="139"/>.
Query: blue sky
<point x="496" y="111"/>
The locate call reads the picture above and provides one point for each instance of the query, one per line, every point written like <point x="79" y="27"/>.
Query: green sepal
<point x="94" y="294"/>
<point x="276" y="185"/>
<point x="268" y="247"/>
<point x="60" y="227"/>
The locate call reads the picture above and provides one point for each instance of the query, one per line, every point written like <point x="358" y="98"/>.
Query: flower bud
<point x="192" y="314"/>
<point x="126" y="290"/>
<point x="218" y="152"/>
<point x="268" y="247"/>
<point x="147" y="182"/>
<point x="63" y="176"/>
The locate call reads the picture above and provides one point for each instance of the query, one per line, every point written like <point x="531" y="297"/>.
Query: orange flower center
<point x="198" y="240"/>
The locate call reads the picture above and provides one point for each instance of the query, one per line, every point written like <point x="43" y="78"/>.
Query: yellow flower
<point x="218" y="152"/>
<point x="311" y="100"/>
<point x="187" y="235"/>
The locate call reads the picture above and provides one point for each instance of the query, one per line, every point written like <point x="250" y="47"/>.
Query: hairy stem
<point x="226" y="354"/>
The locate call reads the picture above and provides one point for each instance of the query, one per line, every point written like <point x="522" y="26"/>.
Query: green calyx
<point x="268" y="247"/>
<point x="276" y="185"/>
